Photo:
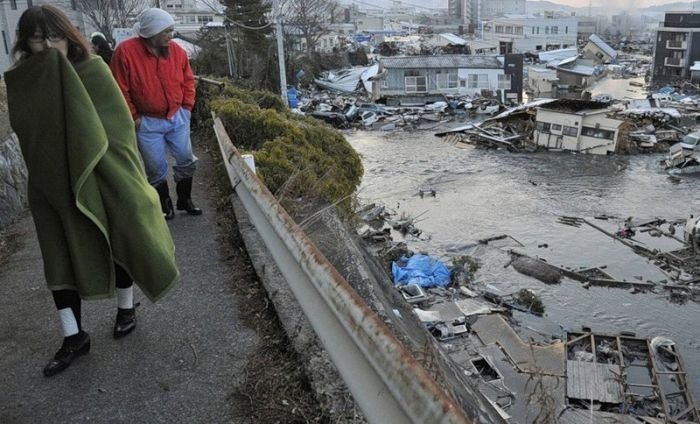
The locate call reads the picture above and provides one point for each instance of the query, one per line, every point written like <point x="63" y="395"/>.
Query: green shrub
<point x="295" y="156"/>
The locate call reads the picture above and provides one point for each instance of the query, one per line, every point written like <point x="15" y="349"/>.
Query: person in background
<point x="101" y="46"/>
<point x="155" y="77"/>
<point x="98" y="221"/>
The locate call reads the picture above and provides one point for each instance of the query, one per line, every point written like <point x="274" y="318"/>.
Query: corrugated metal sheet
<point x="593" y="381"/>
<point x="445" y="61"/>
<point x="583" y="416"/>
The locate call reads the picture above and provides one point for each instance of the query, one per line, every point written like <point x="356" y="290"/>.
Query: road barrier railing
<point x="388" y="384"/>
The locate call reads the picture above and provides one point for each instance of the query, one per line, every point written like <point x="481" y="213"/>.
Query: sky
<point x="632" y="4"/>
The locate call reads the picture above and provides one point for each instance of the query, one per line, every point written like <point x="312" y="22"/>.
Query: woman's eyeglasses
<point x="53" y="37"/>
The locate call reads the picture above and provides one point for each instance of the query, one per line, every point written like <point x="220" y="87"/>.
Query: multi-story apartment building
<point x="460" y="10"/>
<point x="484" y="10"/>
<point x="677" y="46"/>
<point x="532" y="34"/>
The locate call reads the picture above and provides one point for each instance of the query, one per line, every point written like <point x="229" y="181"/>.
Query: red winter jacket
<point x="153" y="86"/>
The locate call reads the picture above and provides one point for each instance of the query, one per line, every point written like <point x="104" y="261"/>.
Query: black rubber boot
<point x="184" y="197"/>
<point x="166" y="205"/>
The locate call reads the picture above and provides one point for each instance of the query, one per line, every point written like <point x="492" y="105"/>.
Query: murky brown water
<point x="482" y="193"/>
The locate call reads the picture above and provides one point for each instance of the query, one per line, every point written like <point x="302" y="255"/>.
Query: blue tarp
<point x="423" y="270"/>
<point x="292" y="98"/>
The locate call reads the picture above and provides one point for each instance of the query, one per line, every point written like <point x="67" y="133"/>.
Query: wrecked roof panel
<point x="558" y="54"/>
<point x="594" y="381"/>
<point x="447" y="61"/>
<point x="453" y="39"/>
<point x="602" y="45"/>
<point x="584" y="416"/>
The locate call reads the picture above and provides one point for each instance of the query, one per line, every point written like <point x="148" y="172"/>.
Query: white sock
<point x="125" y="298"/>
<point x="68" y="322"/>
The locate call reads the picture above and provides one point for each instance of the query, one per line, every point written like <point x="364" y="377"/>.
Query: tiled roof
<point x="446" y="61"/>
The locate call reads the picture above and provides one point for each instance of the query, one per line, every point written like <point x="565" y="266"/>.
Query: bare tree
<point x="309" y="18"/>
<point x="106" y="15"/>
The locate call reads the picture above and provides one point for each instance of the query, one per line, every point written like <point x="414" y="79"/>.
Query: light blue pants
<point x="154" y="135"/>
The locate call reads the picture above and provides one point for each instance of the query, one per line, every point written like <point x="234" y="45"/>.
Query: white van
<point x="691" y="141"/>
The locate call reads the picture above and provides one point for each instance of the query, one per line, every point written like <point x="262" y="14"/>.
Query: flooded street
<point x="485" y="193"/>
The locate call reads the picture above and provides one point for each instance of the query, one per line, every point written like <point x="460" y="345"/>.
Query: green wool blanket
<point x="90" y="200"/>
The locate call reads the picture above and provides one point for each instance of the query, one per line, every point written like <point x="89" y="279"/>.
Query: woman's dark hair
<point x="102" y="48"/>
<point x="49" y="19"/>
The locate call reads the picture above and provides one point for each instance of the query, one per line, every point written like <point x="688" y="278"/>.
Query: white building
<point x="586" y="131"/>
<point x="532" y="34"/>
<point x="191" y="15"/>
<point x="542" y="81"/>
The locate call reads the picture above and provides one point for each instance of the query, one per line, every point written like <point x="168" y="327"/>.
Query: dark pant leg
<point x="68" y="299"/>
<point x="123" y="280"/>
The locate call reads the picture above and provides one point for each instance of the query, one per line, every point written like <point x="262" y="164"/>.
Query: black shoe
<point x="125" y="322"/>
<point x="184" y="197"/>
<point x="72" y="347"/>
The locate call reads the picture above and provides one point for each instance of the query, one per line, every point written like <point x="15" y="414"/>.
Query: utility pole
<point x="280" y="51"/>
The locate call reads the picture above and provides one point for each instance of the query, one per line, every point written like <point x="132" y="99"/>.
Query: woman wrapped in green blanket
<point x="98" y="221"/>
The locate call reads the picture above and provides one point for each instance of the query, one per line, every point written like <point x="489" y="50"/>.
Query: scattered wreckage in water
<point x="530" y="369"/>
<point x="583" y="126"/>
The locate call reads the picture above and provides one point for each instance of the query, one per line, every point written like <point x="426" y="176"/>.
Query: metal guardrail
<point x="386" y="381"/>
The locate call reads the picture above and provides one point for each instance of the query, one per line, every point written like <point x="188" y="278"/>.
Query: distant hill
<point x="540" y="6"/>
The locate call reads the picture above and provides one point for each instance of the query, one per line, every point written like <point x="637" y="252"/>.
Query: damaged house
<point x="425" y="79"/>
<point x="575" y="73"/>
<point x="585" y="131"/>
<point x="598" y="50"/>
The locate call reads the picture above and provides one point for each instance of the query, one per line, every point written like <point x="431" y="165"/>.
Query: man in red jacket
<point x="155" y="76"/>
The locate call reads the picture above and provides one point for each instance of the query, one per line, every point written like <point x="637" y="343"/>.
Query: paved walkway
<point x="180" y="365"/>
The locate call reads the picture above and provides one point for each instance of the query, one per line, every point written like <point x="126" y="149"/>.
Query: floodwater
<point x="484" y="193"/>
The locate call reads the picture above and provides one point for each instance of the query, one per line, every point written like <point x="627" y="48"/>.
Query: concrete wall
<point x="13" y="180"/>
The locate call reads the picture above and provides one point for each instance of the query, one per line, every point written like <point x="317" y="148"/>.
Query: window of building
<point x="533" y="30"/>
<point x="556" y="127"/>
<point x="499" y="29"/>
<point x="538" y="30"/>
<point x="205" y="19"/>
<point x="598" y="133"/>
<point x="546" y="30"/>
<point x="538" y="48"/>
<point x="30" y="3"/>
<point x="446" y="79"/>
<point x="570" y="131"/>
<point x="504" y="81"/>
<point x="555" y="30"/>
<point x="566" y="30"/>
<point x="509" y="29"/>
<point x="518" y="30"/>
<point x="189" y="19"/>
<point x="544" y="127"/>
<point x="13" y="4"/>
<point x="415" y="84"/>
<point x="478" y="81"/>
